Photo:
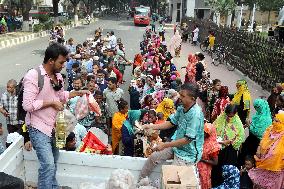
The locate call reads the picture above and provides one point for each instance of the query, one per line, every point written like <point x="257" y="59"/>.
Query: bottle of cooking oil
<point x="60" y="129"/>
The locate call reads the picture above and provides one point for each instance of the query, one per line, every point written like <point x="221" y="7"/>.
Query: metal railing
<point x="255" y="56"/>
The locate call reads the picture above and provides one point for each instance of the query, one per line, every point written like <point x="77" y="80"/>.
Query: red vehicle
<point x="142" y="16"/>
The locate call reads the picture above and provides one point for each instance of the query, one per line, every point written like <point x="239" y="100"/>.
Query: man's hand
<point x="247" y="123"/>
<point x="146" y="126"/>
<point x="57" y="105"/>
<point x="28" y="146"/>
<point x="226" y="142"/>
<point x="6" y="114"/>
<point x="160" y="147"/>
<point x="78" y="93"/>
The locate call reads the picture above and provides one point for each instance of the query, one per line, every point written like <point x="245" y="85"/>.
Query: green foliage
<point x="249" y="3"/>
<point x="48" y="25"/>
<point x="66" y="22"/>
<point x="43" y="18"/>
<point x="222" y="6"/>
<point x="271" y="5"/>
<point x="38" y="27"/>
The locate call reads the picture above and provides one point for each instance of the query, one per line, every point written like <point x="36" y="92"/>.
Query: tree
<point x="222" y="7"/>
<point x="271" y="5"/>
<point x="26" y="6"/>
<point x="75" y="6"/>
<point x="250" y="4"/>
<point x="55" y="11"/>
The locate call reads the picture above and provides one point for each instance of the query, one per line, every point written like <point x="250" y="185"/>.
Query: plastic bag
<point x="87" y="185"/>
<point x="96" y="141"/>
<point x="93" y="105"/>
<point x="82" y="107"/>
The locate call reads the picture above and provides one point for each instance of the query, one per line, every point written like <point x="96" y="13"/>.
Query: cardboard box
<point x="179" y="177"/>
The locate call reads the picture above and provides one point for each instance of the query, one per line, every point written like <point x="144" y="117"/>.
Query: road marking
<point x="17" y="64"/>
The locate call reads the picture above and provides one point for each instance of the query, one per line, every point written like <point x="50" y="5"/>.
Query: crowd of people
<point x="192" y="120"/>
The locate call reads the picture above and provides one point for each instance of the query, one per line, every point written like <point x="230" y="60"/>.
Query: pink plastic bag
<point x="82" y="107"/>
<point x="94" y="106"/>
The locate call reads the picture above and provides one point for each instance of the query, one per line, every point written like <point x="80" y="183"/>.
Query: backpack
<point x="21" y="113"/>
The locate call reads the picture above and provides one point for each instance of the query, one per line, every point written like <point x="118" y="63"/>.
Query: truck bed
<point x="73" y="168"/>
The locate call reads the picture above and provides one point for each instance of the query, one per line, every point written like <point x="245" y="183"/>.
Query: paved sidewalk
<point x="16" y="38"/>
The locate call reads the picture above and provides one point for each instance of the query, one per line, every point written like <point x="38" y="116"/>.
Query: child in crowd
<point x="246" y="182"/>
<point x="9" y="107"/>
<point x="70" y="142"/>
<point x="160" y="118"/>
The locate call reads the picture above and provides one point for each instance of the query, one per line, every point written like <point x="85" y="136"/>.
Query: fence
<point x="255" y="56"/>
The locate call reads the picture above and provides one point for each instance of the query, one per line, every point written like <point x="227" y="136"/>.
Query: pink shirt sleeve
<point x="31" y="90"/>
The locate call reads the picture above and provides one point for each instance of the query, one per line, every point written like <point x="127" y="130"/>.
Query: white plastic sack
<point x="87" y="185"/>
<point x="121" y="179"/>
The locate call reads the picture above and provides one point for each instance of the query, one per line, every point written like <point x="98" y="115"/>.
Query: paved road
<point x="15" y="61"/>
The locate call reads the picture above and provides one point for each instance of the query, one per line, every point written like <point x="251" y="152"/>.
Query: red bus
<point x="142" y="16"/>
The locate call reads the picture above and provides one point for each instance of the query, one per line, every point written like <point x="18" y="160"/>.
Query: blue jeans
<point x="47" y="155"/>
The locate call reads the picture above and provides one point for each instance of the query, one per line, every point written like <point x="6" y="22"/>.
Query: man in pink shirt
<point x="42" y="107"/>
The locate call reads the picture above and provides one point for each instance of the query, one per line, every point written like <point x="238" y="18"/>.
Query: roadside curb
<point x="23" y="39"/>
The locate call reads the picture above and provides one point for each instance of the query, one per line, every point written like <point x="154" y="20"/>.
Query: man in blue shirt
<point x="186" y="148"/>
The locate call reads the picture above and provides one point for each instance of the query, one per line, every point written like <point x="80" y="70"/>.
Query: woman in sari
<point x="209" y="157"/>
<point x="220" y="103"/>
<point x="138" y="60"/>
<point x="128" y="131"/>
<point x="190" y="69"/>
<point x="260" y="121"/>
<point x="242" y="98"/>
<point x="231" y="135"/>
<point x="269" y="171"/>
<point x="117" y="121"/>
<point x="175" y="44"/>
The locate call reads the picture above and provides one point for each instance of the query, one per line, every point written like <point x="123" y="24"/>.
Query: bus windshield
<point x="142" y="12"/>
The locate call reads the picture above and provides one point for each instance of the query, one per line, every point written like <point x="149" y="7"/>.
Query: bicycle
<point x="230" y="61"/>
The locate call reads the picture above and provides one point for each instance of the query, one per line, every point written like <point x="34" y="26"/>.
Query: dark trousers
<point x="14" y="128"/>
<point x="9" y="182"/>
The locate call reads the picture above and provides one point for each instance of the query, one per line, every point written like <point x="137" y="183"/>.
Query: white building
<point x="47" y="3"/>
<point x="189" y="8"/>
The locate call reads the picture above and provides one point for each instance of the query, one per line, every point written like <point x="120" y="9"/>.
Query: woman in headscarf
<point x="190" y="69"/>
<point x="138" y="73"/>
<point x="269" y="171"/>
<point x="242" y="98"/>
<point x="279" y="104"/>
<point x="231" y="175"/>
<point x="166" y="107"/>
<point x="273" y="96"/>
<point x="220" y="103"/>
<point x="204" y="84"/>
<point x="209" y="156"/>
<point x="117" y="121"/>
<point x="175" y="44"/>
<point x="231" y="135"/>
<point x="128" y="130"/>
<point x="212" y="95"/>
<point x="260" y="121"/>
<point x="138" y="60"/>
